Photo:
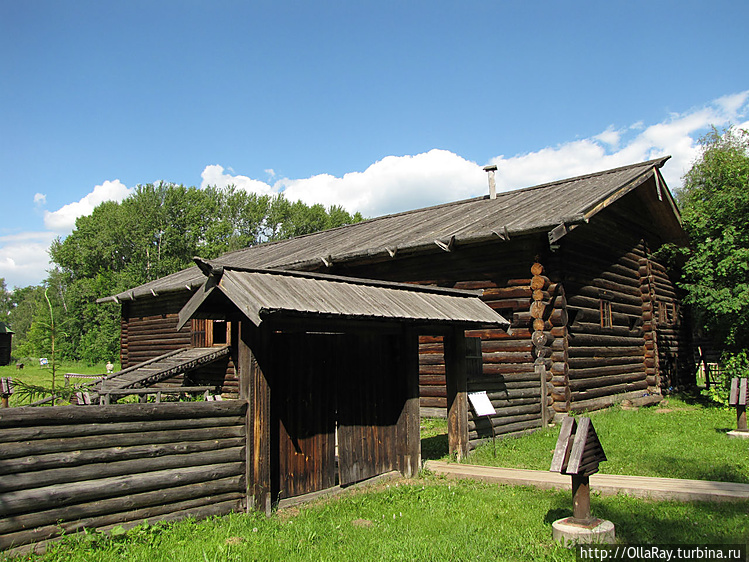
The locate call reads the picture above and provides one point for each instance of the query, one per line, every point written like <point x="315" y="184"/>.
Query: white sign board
<point x="481" y="403"/>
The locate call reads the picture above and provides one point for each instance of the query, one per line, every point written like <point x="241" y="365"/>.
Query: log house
<point x="595" y="318"/>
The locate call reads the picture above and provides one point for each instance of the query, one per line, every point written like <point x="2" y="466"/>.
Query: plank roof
<point x="258" y="294"/>
<point x="541" y="208"/>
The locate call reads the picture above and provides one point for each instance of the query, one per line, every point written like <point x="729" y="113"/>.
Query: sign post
<point x="482" y="406"/>
<point x="737" y="398"/>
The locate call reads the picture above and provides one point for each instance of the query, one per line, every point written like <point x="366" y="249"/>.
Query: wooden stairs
<point x="163" y="367"/>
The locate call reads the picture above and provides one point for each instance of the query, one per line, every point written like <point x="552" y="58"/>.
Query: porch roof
<point x="261" y="293"/>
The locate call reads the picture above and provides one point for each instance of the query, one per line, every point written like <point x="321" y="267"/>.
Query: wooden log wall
<point x="670" y="361"/>
<point x="149" y="327"/>
<point x="70" y="467"/>
<point x="502" y="270"/>
<point x="604" y="286"/>
<point x="549" y="336"/>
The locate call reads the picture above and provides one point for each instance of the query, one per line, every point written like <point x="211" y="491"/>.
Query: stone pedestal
<point x="738" y="433"/>
<point x="569" y="532"/>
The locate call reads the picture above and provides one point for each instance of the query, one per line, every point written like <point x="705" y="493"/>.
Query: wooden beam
<point x="409" y="437"/>
<point x="457" y="398"/>
<point x="254" y="387"/>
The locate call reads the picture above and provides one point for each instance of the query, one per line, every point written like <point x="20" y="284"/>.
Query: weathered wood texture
<point x="65" y="468"/>
<point x="605" y="311"/>
<point x="353" y="382"/>
<point x="149" y="329"/>
<point x="615" y="347"/>
<point x="502" y="270"/>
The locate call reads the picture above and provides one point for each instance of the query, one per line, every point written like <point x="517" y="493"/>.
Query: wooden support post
<point x="581" y="499"/>
<point x="738" y="397"/>
<point x="254" y="387"/>
<point x="541" y="374"/>
<point x="409" y="429"/>
<point x="457" y="399"/>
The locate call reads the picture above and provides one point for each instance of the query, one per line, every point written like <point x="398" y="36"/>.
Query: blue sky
<point x="377" y="106"/>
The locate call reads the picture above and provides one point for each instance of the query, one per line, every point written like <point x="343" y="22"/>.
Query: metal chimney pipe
<point x="492" y="185"/>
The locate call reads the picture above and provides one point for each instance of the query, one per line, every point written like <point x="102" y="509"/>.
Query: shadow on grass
<point x="643" y="522"/>
<point x="696" y="398"/>
<point x="701" y="470"/>
<point x="434" y="448"/>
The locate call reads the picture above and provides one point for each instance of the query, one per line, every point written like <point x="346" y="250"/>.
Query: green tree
<point x="155" y="232"/>
<point x="26" y="302"/>
<point x="715" y="209"/>
<point x="6" y="302"/>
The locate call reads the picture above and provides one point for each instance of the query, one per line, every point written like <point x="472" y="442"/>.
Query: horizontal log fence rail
<point x="66" y="468"/>
<point x="90" y="379"/>
<point x="208" y="392"/>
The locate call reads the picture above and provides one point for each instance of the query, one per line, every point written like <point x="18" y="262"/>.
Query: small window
<point x="220" y="332"/>
<point x="474" y="358"/>
<point x="660" y="313"/>
<point x="606" y="316"/>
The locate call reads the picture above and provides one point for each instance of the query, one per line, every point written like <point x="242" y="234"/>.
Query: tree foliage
<point x="154" y="232"/>
<point x="6" y="302"/>
<point x="715" y="209"/>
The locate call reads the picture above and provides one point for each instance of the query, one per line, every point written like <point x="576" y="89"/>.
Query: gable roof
<point x="559" y="205"/>
<point x="261" y="294"/>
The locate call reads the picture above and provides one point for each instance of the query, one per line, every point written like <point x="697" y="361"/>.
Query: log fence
<point x="66" y="468"/>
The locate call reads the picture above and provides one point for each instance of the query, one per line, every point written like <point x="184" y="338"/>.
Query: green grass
<point x="33" y="374"/>
<point x="430" y="518"/>
<point x="425" y="519"/>
<point x="679" y="438"/>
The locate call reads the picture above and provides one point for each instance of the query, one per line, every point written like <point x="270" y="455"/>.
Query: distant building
<point x="6" y="335"/>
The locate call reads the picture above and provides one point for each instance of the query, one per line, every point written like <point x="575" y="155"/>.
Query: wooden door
<point x="370" y="400"/>
<point x="303" y="405"/>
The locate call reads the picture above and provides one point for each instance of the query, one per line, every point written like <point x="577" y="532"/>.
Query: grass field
<point x="33" y="374"/>
<point x="430" y="518"/>
<point x="679" y="438"/>
<point x="422" y="519"/>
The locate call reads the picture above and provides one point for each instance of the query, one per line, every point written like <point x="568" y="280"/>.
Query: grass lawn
<point x="430" y="518"/>
<point x="679" y="438"/>
<point x="33" y="374"/>
<point x="426" y="518"/>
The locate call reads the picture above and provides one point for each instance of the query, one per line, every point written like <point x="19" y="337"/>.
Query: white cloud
<point x="63" y="220"/>
<point x="676" y="136"/>
<point x="394" y="183"/>
<point x="23" y="257"/>
<point x="214" y="175"/>
<point x="399" y="183"/>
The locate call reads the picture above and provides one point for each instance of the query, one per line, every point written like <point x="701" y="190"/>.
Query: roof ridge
<point x="656" y="161"/>
<point x="646" y="164"/>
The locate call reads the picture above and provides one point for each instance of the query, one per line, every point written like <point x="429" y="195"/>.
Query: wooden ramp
<point x="163" y="367"/>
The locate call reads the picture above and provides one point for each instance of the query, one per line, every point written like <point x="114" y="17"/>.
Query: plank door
<point x="303" y="406"/>
<point x="369" y="403"/>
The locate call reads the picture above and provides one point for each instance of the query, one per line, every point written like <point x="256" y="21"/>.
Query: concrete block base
<point x="738" y="433"/>
<point x="569" y="533"/>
